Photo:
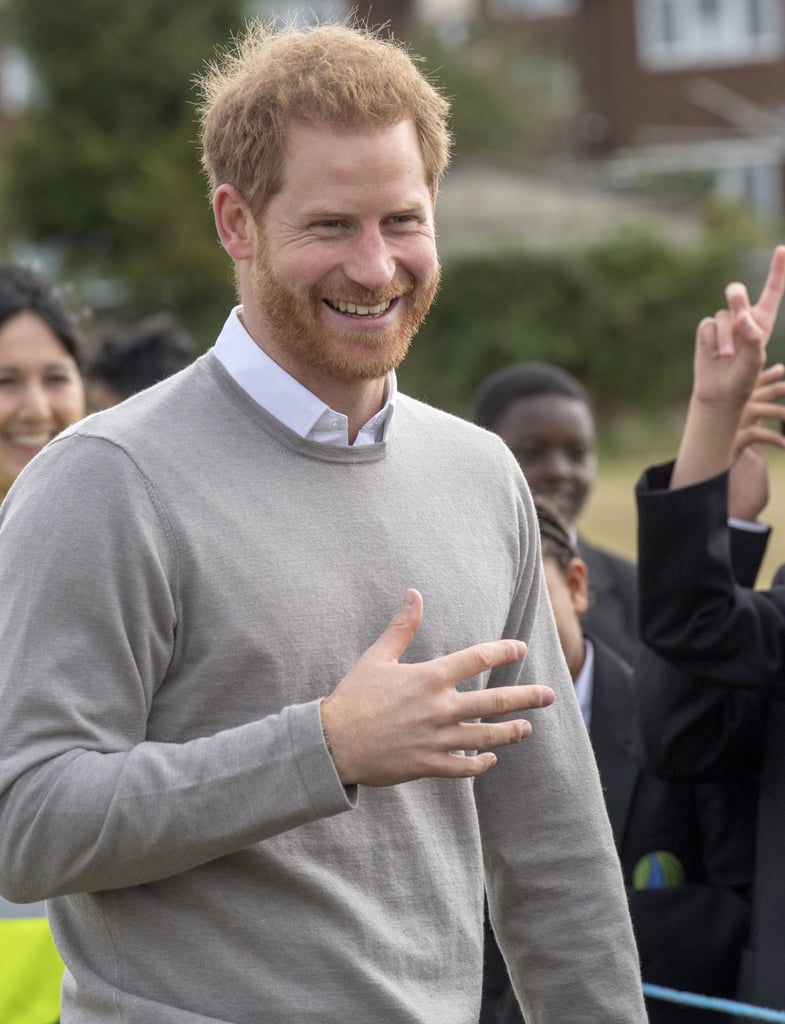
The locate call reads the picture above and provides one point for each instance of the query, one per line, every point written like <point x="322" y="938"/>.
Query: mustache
<point x="401" y="285"/>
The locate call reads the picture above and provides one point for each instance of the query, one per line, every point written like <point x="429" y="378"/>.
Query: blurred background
<point x="616" y="163"/>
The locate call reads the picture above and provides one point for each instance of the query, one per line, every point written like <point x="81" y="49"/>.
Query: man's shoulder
<point x="428" y="420"/>
<point x="479" y="457"/>
<point x="144" y="410"/>
<point x="156" y="426"/>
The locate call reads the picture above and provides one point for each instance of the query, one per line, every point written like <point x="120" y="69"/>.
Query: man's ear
<point x="578" y="583"/>
<point x="234" y="222"/>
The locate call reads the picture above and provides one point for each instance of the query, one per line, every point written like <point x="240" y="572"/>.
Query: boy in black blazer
<point x="718" y="707"/>
<point x="685" y="849"/>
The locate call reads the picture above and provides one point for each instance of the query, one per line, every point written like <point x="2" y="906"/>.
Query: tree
<point x="509" y="101"/>
<point x="103" y="167"/>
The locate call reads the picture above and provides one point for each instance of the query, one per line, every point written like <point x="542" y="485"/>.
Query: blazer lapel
<point x="611" y="736"/>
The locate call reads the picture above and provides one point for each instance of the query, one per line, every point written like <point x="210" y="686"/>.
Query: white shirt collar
<point x="270" y="386"/>
<point x="584" y="684"/>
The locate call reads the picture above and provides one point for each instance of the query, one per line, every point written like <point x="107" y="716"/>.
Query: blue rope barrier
<point x="671" y="995"/>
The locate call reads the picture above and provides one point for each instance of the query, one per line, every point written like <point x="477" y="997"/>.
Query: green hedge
<point x="620" y="316"/>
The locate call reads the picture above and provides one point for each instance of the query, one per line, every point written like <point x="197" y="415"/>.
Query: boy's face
<point x="552" y="437"/>
<point x="568" y="589"/>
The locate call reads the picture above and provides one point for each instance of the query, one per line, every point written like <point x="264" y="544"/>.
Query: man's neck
<point x="357" y="400"/>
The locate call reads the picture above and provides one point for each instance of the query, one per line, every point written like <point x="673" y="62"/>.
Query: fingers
<point x="767" y="396"/>
<point x="706" y="334"/>
<point x="757" y="409"/>
<point x="470" y="751"/>
<point x="769" y="376"/>
<point x="472" y="661"/>
<point x="458" y="766"/>
<point x="715" y="334"/>
<point x="398" y="635"/>
<point x="723" y="333"/>
<point x="740" y="317"/>
<point x="473" y="736"/>
<point x="737" y="298"/>
<point x="469" y="754"/>
<point x="756" y="435"/>
<point x="506" y="700"/>
<point x="773" y="289"/>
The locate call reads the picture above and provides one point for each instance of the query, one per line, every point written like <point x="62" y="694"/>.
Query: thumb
<point x="403" y="625"/>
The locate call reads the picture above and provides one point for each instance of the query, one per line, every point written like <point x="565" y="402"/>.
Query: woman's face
<point x="41" y="392"/>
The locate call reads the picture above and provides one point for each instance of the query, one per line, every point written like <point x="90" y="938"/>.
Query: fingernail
<point x="408" y="599"/>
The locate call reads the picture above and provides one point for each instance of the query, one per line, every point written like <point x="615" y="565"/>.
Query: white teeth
<point x="351" y="307"/>
<point x="30" y="440"/>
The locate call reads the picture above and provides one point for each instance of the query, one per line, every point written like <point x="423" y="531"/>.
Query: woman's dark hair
<point x="24" y="291"/>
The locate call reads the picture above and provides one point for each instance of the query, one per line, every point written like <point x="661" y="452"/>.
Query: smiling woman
<point x="41" y="389"/>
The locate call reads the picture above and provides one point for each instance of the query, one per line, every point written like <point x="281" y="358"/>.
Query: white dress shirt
<point x="270" y="386"/>
<point x="584" y="684"/>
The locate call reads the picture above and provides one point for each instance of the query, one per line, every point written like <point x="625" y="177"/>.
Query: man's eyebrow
<point x="415" y="205"/>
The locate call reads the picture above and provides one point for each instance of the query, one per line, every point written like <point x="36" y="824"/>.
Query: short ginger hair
<point x="334" y="75"/>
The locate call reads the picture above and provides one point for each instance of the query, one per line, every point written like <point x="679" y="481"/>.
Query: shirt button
<point x="335" y="425"/>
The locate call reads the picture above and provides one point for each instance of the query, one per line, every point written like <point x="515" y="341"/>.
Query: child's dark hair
<point x="523" y="380"/>
<point x="133" y="358"/>
<point x="554" y="535"/>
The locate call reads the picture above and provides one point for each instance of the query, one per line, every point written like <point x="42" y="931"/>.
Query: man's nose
<point x="371" y="263"/>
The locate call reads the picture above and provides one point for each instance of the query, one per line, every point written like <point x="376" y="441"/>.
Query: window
<point x="541" y="7"/>
<point x="685" y="33"/>
<point x="17" y="81"/>
<point x="302" y="12"/>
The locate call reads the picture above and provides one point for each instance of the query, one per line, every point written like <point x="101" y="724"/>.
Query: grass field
<point x="610" y="518"/>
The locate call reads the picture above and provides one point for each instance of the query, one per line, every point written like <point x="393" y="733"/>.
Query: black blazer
<point x="689" y="936"/>
<point x="612" y="615"/>
<point x="725" y="713"/>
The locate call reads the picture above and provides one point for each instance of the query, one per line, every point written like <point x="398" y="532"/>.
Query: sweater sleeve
<point x="88" y="625"/>
<point x="555" y="890"/>
<point x="692" y="611"/>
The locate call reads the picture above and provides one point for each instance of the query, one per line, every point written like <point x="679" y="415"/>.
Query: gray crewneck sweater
<point x="183" y="580"/>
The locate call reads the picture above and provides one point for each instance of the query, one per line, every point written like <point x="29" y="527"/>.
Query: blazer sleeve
<point x="692" y="611"/>
<point x="747" y="548"/>
<point x="691" y="729"/>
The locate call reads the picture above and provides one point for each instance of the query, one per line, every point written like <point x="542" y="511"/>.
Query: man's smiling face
<point x="345" y="264"/>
